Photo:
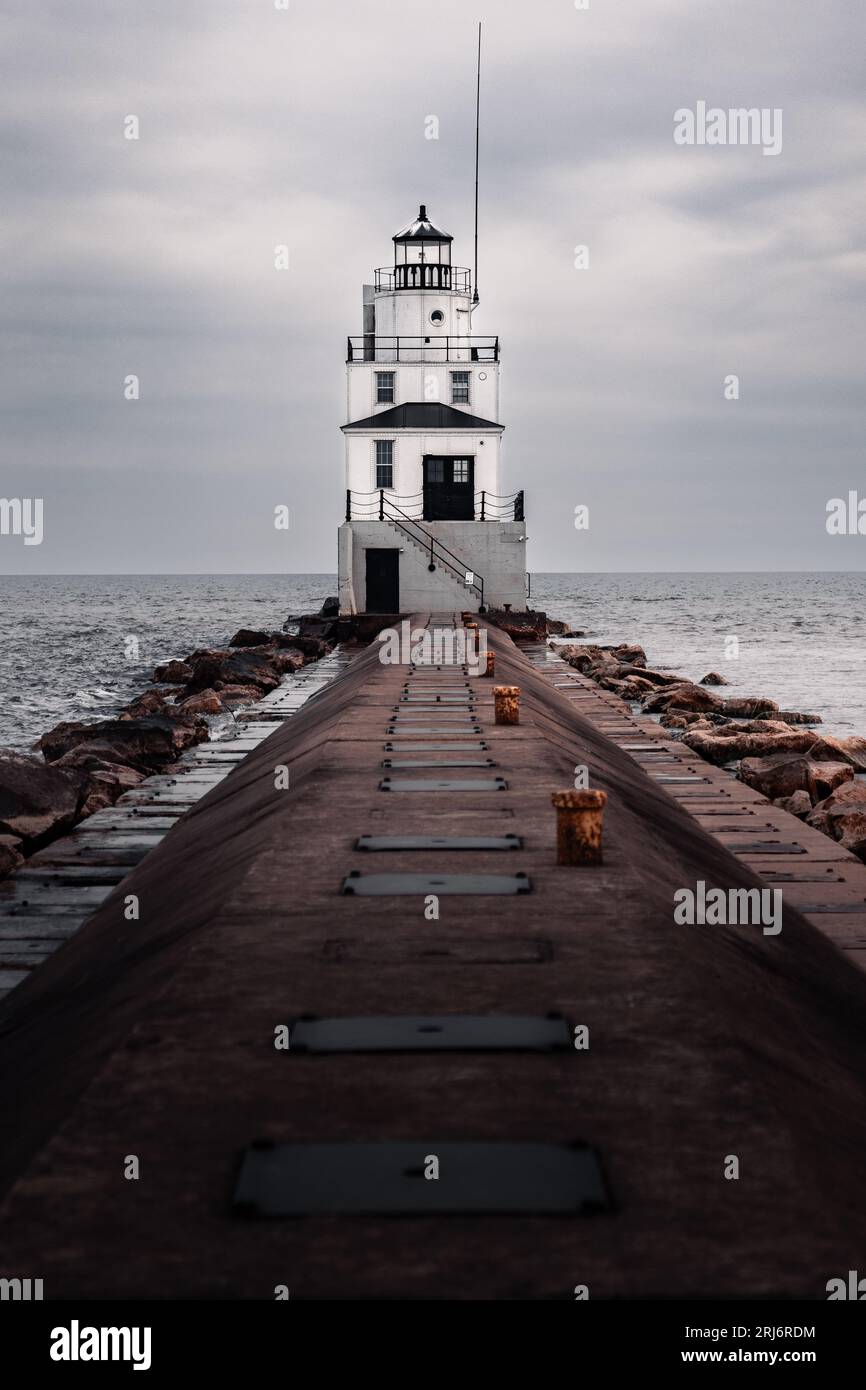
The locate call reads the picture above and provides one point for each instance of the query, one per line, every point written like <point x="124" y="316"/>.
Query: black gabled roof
<point x="422" y="415"/>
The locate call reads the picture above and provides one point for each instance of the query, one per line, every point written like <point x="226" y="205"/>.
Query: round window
<point x="437" y="316"/>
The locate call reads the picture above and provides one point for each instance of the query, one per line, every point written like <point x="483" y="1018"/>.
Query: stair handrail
<point x="458" y="567"/>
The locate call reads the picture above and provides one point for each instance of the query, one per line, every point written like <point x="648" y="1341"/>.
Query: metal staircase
<point x="430" y="549"/>
<point x="438" y="556"/>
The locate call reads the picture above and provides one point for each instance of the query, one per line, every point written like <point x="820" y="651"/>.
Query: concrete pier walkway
<point x="156" y="1037"/>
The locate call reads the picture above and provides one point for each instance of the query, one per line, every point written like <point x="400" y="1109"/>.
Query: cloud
<point x="258" y="127"/>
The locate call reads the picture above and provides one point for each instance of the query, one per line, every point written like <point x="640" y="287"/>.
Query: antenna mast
<point x="477" y="124"/>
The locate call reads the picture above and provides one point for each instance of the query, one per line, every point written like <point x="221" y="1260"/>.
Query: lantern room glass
<point x="422" y="253"/>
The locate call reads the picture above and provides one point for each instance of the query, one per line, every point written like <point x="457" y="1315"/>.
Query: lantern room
<point x="422" y="259"/>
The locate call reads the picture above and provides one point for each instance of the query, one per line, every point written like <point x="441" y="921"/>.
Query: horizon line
<point x="300" y="574"/>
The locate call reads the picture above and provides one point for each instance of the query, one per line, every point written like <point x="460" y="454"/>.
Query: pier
<point x="582" y="1068"/>
<point x="60" y="886"/>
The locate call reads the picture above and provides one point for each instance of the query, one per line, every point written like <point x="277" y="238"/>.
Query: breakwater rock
<point x="86" y="767"/>
<point x="35" y="800"/>
<point x="777" y="752"/>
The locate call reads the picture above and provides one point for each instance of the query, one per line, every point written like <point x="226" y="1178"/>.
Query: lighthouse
<point x="428" y="524"/>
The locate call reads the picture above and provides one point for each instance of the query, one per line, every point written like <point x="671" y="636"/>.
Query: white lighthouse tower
<point x="427" y="526"/>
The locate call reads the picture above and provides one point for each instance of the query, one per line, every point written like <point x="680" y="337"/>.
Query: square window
<point x="461" y="471"/>
<point x="385" y="388"/>
<point x="384" y="463"/>
<point x="459" y="388"/>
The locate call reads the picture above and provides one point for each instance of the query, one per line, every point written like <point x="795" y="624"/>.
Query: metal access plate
<point x="766" y="847"/>
<point x="305" y="1179"/>
<point x="405" y="885"/>
<point x="453" y="724"/>
<point x="443" y="784"/>
<point x="453" y="713"/>
<point x="469" y="746"/>
<point x="431" y="1033"/>
<point x="396" y="842"/>
<point x="433" y="762"/>
<point x="438" y="699"/>
<point x="448" y="710"/>
<point x="451" y="729"/>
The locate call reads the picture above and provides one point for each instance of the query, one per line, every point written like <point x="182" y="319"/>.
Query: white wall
<point x="422" y="381"/>
<point x="495" y="551"/>
<point x="410" y="446"/>
<point x="407" y="312"/>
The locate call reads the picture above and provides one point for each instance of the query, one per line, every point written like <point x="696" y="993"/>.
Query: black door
<point x="449" y="489"/>
<point x="383" y="581"/>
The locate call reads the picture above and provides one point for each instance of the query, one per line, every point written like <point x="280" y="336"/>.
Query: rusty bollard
<point x="491" y="664"/>
<point x="579" y="820"/>
<point x="473" y="628"/>
<point x="506" y="704"/>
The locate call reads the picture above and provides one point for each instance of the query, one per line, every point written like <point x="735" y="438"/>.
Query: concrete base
<point x="494" y="550"/>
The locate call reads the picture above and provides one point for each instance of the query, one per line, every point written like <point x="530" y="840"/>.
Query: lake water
<point x="64" y="640"/>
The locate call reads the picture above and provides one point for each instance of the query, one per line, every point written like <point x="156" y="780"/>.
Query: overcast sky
<point x="258" y="127"/>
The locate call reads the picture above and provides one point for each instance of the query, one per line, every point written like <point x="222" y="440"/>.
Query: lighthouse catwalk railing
<point x="433" y="347"/>
<point x="417" y="275"/>
<point x="488" y="506"/>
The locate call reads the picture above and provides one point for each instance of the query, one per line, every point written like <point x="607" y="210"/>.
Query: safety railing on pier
<point x="433" y="347"/>
<point x="488" y="506"/>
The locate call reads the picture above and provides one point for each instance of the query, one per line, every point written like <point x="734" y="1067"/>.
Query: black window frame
<point x="392" y="398"/>
<point x="384" y="467"/>
<point x="465" y="383"/>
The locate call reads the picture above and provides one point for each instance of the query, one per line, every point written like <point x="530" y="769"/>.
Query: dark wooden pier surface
<point x="155" y="1037"/>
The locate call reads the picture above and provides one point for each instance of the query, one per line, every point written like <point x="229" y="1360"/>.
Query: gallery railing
<point x="424" y="275"/>
<point x="432" y="347"/>
<point x="489" y="506"/>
